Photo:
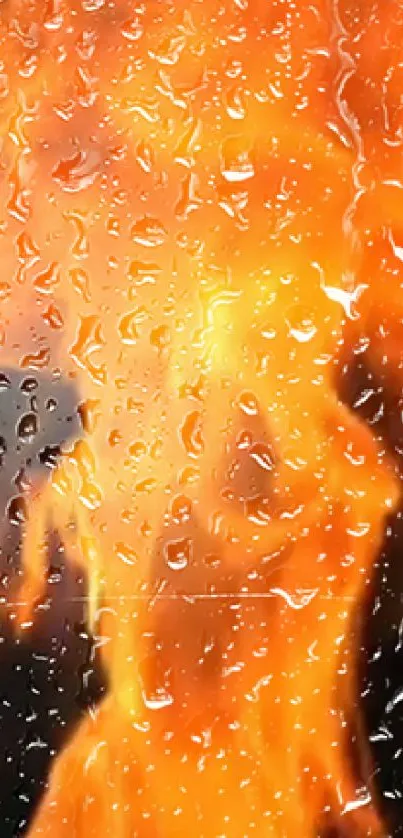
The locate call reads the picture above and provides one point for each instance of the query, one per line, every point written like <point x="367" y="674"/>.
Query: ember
<point x="200" y="228"/>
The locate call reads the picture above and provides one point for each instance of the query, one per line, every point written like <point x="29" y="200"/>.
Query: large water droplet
<point x="125" y="553"/>
<point x="236" y="162"/>
<point x="263" y="456"/>
<point x="79" y="171"/>
<point x="248" y="403"/>
<point x="157" y="700"/>
<point x="5" y="382"/>
<point x="149" y="232"/>
<point x="49" y="456"/>
<point x="29" y="385"/>
<point x="17" y="512"/>
<point x="27" y="427"/>
<point x="181" y="509"/>
<point x="191" y="434"/>
<point x="178" y="553"/>
<point x="46" y="281"/>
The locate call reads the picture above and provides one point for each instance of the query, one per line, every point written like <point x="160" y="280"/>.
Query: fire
<point x="200" y="221"/>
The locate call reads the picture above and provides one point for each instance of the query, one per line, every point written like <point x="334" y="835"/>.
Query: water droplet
<point x="49" y="456"/>
<point x="178" y="553"/>
<point x="244" y="440"/>
<point x="149" y="232"/>
<point x="145" y="156"/>
<point x="157" y="700"/>
<point x="54" y="16"/>
<point x="169" y="50"/>
<point x="263" y="456"/>
<point x="236" y="162"/>
<point x="114" y="438"/>
<point x="17" y="511"/>
<point x="92" y="5"/>
<point x="257" y="510"/>
<point x="248" y="403"/>
<point x="89" y="413"/>
<point x="304" y="331"/>
<point x="160" y="337"/>
<point x="4" y="85"/>
<point x="5" y="382"/>
<point x="53" y="317"/>
<point x="127" y="328"/>
<point x="143" y="273"/>
<point x="79" y="171"/>
<point x="298" y="599"/>
<point x="21" y="481"/>
<point x="181" y="509"/>
<point x="27" y="427"/>
<point x="47" y="280"/>
<point x="29" y="385"/>
<point x="187" y="142"/>
<point x="18" y="205"/>
<point x="137" y="449"/>
<point x="88" y="341"/>
<point x="395" y="700"/>
<point x="125" y="553"/>
<point x="235" y="104"/>
<point x="80" y="247"/>
<point x="189" y="200"/>
<point x="5" y="290"/>
<point x="3" y="449"/>
<point x="51" y="404"/>
<point x="36" y="360"/>
<point x="191" y="434"/>
<point x="90" y="494"/>
<point x="81" y="283"/>
<point x="145" y="487"/>
<point x="211" y="560"/>
<point x="132" y="29"/>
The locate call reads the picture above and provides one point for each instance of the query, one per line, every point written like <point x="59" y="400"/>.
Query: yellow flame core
<point x="190" y="209"/>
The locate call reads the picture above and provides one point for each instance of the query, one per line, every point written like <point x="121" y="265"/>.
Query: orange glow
<point x="199" y="220"/>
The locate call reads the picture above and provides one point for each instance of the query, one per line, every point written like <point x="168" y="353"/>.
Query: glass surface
<point x="201" y="365"/>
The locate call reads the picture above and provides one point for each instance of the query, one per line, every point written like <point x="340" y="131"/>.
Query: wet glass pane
<point x="201" y="367"/>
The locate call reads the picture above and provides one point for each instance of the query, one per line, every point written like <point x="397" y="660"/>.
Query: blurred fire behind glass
<point x="201" y="308"/>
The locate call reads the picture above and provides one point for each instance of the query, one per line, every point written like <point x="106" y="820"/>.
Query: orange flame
<point x="192" y="193"/>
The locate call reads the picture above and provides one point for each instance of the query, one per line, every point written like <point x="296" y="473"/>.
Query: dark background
<point x="49" y="676"/>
